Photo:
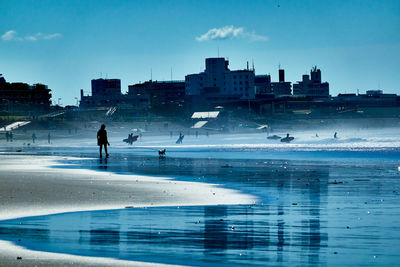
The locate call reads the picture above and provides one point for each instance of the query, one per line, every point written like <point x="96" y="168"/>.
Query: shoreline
<point x="37" y="189"/>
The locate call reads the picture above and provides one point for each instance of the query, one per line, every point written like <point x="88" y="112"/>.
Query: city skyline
<point x="67" y="44"/>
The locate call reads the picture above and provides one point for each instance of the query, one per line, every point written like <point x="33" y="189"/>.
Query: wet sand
<point x="30" y="187"/>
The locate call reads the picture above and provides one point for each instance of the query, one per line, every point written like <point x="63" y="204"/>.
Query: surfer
<point x="287" y="139"/>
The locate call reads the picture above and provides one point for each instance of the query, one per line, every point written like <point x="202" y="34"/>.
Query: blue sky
<point x="65" y="44"/>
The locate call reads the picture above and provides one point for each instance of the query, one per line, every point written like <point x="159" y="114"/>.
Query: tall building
<point x="105" y="92"/>
<point x="218" y="81"/>
<point x="313" y="87"/>
<point x="281" y="87"/>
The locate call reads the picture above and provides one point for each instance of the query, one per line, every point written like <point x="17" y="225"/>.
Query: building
<point x="312" y="87"/>
<point x="158" y="94"/>
<point x="281" y="88"/>
<point x="106" y="88"/>
<point x="105" y="92"/>
<point x="22" y="96"/>
<point x="218" y="82"/>
<point x="262" y="84"/>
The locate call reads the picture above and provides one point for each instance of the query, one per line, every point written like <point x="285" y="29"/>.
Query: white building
<point x="218" y="80"/>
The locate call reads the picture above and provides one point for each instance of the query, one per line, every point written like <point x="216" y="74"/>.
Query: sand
<point x="31" y="186"/>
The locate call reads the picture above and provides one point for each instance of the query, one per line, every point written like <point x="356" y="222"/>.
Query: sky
<point x="65" y="44"/>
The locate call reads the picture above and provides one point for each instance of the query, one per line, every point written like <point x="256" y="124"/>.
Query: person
<point x="102" y="140"/>
<point x="7" y="136"/>
<point x="316" y="135"/>
<point x="48" y="138"/>
<point x="335" y="135"/>
<point x="33" y="137"/>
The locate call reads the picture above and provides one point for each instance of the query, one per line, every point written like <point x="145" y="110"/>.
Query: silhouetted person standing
<point x="33" y="137"/>
<point x="48" y="138"/>
<point x="335" y="135"/>
<point x="102" y="139"/>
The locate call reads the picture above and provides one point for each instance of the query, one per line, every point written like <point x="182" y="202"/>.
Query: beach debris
<point x="347" y="227"/>
<point x="362" y="179"/>
<point x="221" y="220"/>
<point x="18" y="150"/>
<point x="197" y="222"/>
<point x="294" y="204"/>
<point x="232" y="227"/>
<point x="335" y="182"/>
<point x="129" y="207"/>
<point x="335" y="252"/>
<point x="19" y="258"/>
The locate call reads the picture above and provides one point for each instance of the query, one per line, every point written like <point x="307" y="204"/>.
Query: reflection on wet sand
<point x="288" y="226"/>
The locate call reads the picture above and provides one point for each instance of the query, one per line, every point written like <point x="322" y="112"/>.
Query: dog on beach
<point x="161" y="153"/>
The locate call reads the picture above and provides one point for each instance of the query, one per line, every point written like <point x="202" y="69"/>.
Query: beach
<point x="30" y="187"/>
<point x="228" y="200"/>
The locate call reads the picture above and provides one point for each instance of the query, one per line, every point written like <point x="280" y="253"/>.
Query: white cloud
<point x="230" y="32"/>
<point x="51" y="36"/>
<point x="10" y="36"/>
<point x="13" y="36"/>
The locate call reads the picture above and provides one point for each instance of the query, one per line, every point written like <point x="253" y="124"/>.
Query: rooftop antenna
<point x="151" y="74"/>
<point x="247" y="65"/>
<point x="252" y="64"/>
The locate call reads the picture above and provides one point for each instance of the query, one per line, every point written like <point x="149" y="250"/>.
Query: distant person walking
<point x="33" y="137"/>
<point x="335" y="135"/>
<point x="102" y="140"/>
<point x="48" y="138"/>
